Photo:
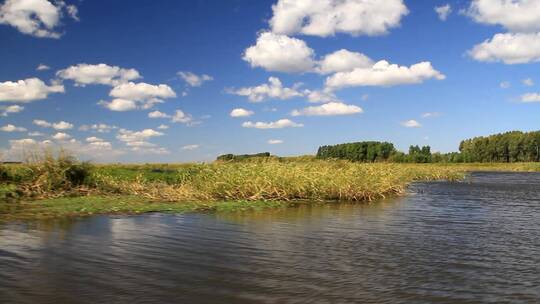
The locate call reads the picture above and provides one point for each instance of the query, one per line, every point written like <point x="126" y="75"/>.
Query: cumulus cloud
<point x="328" y="109"/>
<point x="38" y="18"/>
<point x="510" y="48"/>
<point x="158" y="114"/>
<point x="93" y="139"/>
<point x="411" y="124"/>
<point x="100" y="128"/>
<point x="343" y="60"/>
<point x="239" y="112"/>
<point x="27" y="90"/>
<point x="119" y="105"/>
<point x="12" y="128"/>
<point x="279" y="124"/>
<point x="5" y="111"/>
<point x="323" y="96"/>
<point x="61" y="125"/>
<point x="326" y="18"/>
<point x="132" y="96"/>
<point x="274" y="141"/>
<point x="443" y="11"/>
<point x="514" y="15"/>
<point x="194" y="80"/>
<point x="84" y="74"/>
<point x="279" y="53"/>
<point x="190" y="147"/>
<point x="181" y="117"/>
<point x="272" y="90"/>
<point x="385" y="74"/>
<point x="138" y="140"/>
<point x="61" y="136"/>
<point x="528" y="82"/>
<point x="530" y="98"/>
<point x="163" y="127"/>
<point x="42" y="67"/>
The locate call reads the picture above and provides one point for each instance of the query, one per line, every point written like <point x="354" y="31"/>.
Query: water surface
<point x="469" y="242"/>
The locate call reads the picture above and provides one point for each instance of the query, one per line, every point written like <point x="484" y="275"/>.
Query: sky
<point x="183" y="81"/>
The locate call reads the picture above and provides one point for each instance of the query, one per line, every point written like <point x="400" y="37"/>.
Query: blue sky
<point x="341" y="71"/>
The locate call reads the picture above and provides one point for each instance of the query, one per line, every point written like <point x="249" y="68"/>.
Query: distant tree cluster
<point x="230" y="157"/>
<point x="366" y="151"/>
<point x="416" y="155"/>
<point x="512" y="146"/>
<point x="506" y="147"/>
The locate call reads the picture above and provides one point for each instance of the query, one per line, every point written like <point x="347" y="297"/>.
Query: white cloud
<point x="510" y="48"/>
<point x="119" y="105"/>
<point x="411" y="124"/>
<point x="530" y="98"/>
<point x="328" y="109"/>
<point x="12" y="128"/>
<point x="239" y="112"/>
<point x="320" y="96"/>
<point x="93" y="139"/>
<point x="42" y="67"/>
<point x="274" y="141"/>
<point x="62" y="125"/>
<point x="35" y="134"/>
<point x="528" y="82"/>
<point x="163" y="127"/>
<point x="342" y="61"/>
<point x="272" y="90"/>
<point x="125" y="135"/>
<point x="181" y="117"/>
<point x="385" y="74"/>
<point x="190" y="147"/>
<point x="194" y="80"/>
<point x="326" y="18"/>
<point x="84" y="74"/>
<point x="101" y="144"/>
<point x="505" y="85"/>
<point x="38" y="18"/>
<point x="279" y="53"/>
<point x="158" y="114"/>
<point x="27" y="90"/>
<point x="42" y="123"/>
<point x="282" y="123"/>
<point x="431" y="114"/>
<point x="138" y="141"/>
<point x="61" y="136"/>
<point x="5" y="111"/>
<point x="131" y="96"/>
<point x="100" y="128"/>
<point x="443" y="11"/>
<point x="514" y="15"/>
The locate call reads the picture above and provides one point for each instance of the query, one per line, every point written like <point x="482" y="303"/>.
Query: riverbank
<point x="62" y="188"/>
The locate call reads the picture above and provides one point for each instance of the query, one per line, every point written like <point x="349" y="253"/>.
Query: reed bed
<point x="276" y="180"/>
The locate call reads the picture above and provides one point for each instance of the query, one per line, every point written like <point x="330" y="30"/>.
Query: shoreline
<point x="136" y="201"/>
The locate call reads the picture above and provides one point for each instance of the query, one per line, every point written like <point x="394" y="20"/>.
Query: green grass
<point x="57" y="187"/>
<point x="121" y="204"/>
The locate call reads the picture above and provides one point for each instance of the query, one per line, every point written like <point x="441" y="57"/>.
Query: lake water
<point x="469" y="242"/>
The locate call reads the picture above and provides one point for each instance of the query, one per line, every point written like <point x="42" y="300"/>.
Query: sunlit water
<point x="471" y="242"/>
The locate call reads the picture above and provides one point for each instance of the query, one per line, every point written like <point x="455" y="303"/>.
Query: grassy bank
<point x="62" y="186"/>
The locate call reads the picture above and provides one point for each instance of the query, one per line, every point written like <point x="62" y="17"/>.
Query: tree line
<point x="512" y="146"/>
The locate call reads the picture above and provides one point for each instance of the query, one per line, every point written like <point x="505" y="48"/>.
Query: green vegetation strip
<point x="62" y="186"/>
